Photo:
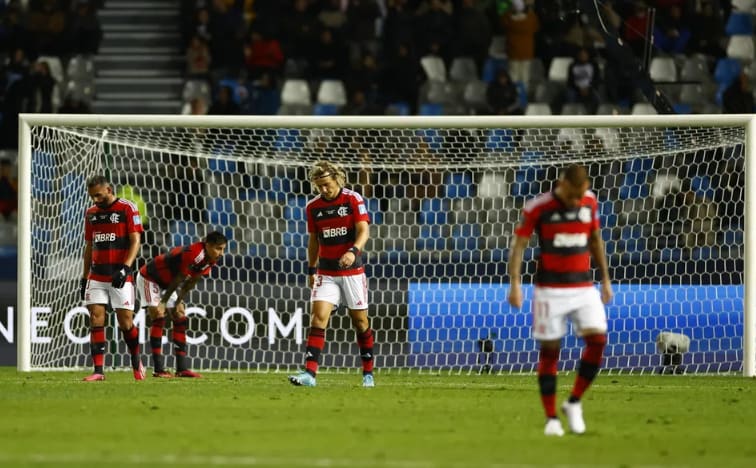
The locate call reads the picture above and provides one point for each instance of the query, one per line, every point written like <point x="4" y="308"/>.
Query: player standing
<point x="337" y="223"/>
<point x="569" y="233"/>
<point x="112" y="231"/>
<point x="158" y="284"/>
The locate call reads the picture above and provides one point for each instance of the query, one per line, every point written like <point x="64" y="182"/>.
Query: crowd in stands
<point x="454" y="56"/>
<point x="43" y="50"/>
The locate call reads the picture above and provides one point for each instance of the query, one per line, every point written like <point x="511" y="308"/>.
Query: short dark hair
<point x="96" y="180"/>
<point x="576" y="175"/>
<point x="216" y="238"/>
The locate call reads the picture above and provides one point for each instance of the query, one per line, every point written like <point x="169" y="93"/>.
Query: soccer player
<point x="163" y="283"/>
<point x="337" y="223"/>
<point x="112" y="231"/>
<point x="569" y="233"/>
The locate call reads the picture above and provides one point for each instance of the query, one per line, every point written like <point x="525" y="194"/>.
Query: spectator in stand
<point x="671" y="34"/>
<point x="634" y="27"/>
<point x="13" y="33"/>
<point x="15" y="75"/>
<point x="707" y="26"/>
<point x="398" y="28"/>
<point x="299" y="31"/>
<point x="473" y="32"/>
<point x="263" y="54"/>
<point x="84" y="29"/>
<point x="583" y="77"/>
<point x="360" y="28"/>
<point x="366" y="77"/>
<point x="201" y="26"/>
<point x="41" y="89"/>
<point x="330" y="57"/>
<point x="738" y="97"/>
<point x="73" y="104"/>
<point x="227" y="31"/>
<point x="435" y="25"/>
<point x="198" y="58"/>
<point x="47" y="25"/>
<point x="502" y="95"/>
<point x="224" y="103"/>
<point x="402" y="77"/>
<point x="332" y="16"/>
<point x="8" y="190"/>
<point x="520" y="24"/>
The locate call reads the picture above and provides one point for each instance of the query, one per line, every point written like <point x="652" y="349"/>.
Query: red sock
<point x="589" y="364"/>
<point x="315" y="344"/>
<point x="547" y="376"/>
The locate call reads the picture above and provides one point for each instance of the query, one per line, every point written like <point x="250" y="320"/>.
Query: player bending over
<point x="163" y="283"/>
<point x="569" y="233"/>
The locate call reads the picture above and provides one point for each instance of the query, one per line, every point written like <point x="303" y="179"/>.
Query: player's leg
<point x="96" y="300"/>
<point x="549" y="326"/>
<point x="149" y="294"/>
<point x="122" y="300"/>
<point x="356" y="299"/>
<point x="590" y="323"/>
<point x="180" y="324"/>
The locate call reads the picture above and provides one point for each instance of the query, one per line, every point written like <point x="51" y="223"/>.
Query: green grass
<point x="410" y="420"/>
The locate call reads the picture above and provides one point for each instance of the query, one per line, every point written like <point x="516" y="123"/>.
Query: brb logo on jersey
<point x="334" y="232"/>
<point x="105" y="237"/>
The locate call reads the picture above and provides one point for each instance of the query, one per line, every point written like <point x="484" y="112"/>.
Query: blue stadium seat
<point x="398" y="108"/>
<point x="295" y="208"/>
<point x="434" y="211"/>
<point x="522" y="94"/>
<point x="466" y="237"/>
<point x="373" y="206"/>
<point x="431" y="238"/>
<point x="431" y="108"/>
<point x="608" y="214"/>
<point x="43" y="172"/>
<point x="432" y="137"/>
<point x="458" y="185"/>
<point x="220" y="212"/>
<point x="726" y="70"/>
<point x="491" y="67"/>
<point x="682" y="108"/>
<point x="288" y="139"/>
<point x="221" y="165"/>
<point x="325" y="109"/>
<point x="183" y="232"/>
<point x="500" y="139"/>
<point x="739" y="23"/>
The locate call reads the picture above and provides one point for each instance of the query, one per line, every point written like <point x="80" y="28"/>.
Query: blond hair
<point x="323" y="169"/>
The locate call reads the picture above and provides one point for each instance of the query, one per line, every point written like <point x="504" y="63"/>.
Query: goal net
<point x="444" y="195"/>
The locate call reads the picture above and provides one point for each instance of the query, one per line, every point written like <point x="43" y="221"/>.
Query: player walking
<point x="567" y="223"/>
<point x="112" y="231"/>
<point x="163" y="283"/>
<point x="337" y="223"/>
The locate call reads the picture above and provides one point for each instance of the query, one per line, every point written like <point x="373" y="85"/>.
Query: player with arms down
<point x="566" y="221"/>
<point x="163" y="283"/>
<point x="337" y="223"/>
<point x="112" y="231"/>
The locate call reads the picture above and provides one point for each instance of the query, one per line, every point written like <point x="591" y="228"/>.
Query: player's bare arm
<point x="187" y="286"/>
<point x="177" y="280"/>
<point x="135" y="243"/>
<point x="596" y="246"/>
<point x="516" y="253"/>
<point x="87" y="259"/>
<point x="313" y="247"/>
<point x="362" y="233"/>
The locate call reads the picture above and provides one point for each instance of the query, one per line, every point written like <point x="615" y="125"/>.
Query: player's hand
<point x="606" y="292"/>
<point x="161" y="309"/>
<point x="515" y="295"/>
<point x="347" y="259"/>
<point x="180" y="309"/>
<point x="119" y="277"/>
<point x="82" y="288"/>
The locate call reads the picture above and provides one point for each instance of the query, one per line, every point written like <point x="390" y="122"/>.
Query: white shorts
<point x="351" y="290"/>
<point x="101" y="292"/>
<point x="150" y="293"/>
<point x="552" y="306"/>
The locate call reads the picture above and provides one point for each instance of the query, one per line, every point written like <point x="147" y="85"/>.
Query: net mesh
<point x="443" y="205"/>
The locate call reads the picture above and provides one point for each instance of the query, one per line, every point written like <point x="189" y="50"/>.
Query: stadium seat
<point x="80" y="68"/>
<point x="522" y="94"/>
<point x="695" y="68"/>
<point x="194" y="89"/>
<point x="663" y="69"/>
<point x="726" y="70"/>
<point x="741" y="47"/>
<point x="433" y="211"/>
<point x="55" y="65"/>
<point x="643" y="108"/>
<point x="220" y="212"/>
<point x="491" y="67"/>
<point x="332" y="92"/>
<point x="739" y="23"/>
<point x="440" y="92"/>
<point x="373" y="206"/>
<point x="431" y="108"/>
<point x="458" y="185"/>
<point x="325" y="109"/>
<point x="538" y="108"/>
<point x="559" y="69"/>
<point x="397" y="108"/>
<point x="221" y="165"/>
<point x="500" y="139"/>
<point x="434" y="67"/>
<point x="296" y="92"/>
<point x="463" y="69"/>
<point x="744" y="6"/>
<point x="81" y="90"/>
<point x="465" y="237"/>
<point x="474" y="96"/>
<point x="693" y="94"/>
<point x="574" y="108"/>
<point x="295" y="208"/>
<point x="682" y="108"/>
<point x="183" y="232"/>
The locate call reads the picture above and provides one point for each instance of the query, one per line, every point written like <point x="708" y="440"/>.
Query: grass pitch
<point x="407" y="420"/>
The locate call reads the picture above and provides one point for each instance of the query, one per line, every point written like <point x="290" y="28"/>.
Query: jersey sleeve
<point x="360" y="210"/>
<point x="527" y="223"/>
<point x="134" y="221"/>
<point x="310" y="221"/>
<point x="87" y="227"/>
<point x="596" y="222"/>
<point x="193" y="262"/>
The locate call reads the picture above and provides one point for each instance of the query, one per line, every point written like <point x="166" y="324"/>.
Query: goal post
<point x="444" y="194"/>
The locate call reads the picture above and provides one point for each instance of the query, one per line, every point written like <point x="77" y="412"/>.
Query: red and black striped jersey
<point x="189" y="261"/>
<point x="333" y="222"/>
<point x="563" y="235"/>
<point x="108" y="230"/>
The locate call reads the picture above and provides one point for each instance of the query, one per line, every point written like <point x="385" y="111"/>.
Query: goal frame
<point x="26" y="121"/>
